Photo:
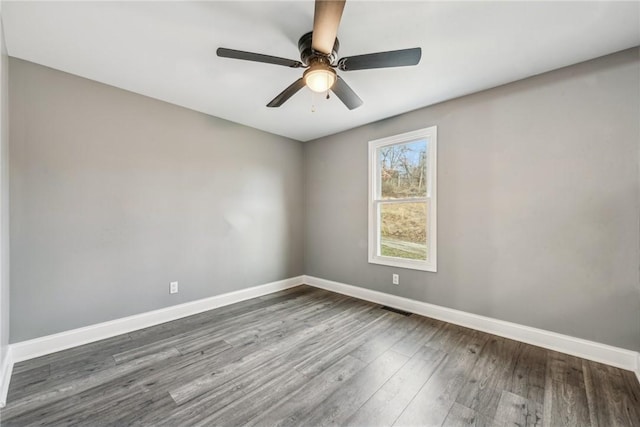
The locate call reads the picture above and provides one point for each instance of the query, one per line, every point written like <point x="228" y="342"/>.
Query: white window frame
<point x="375" y="200"/>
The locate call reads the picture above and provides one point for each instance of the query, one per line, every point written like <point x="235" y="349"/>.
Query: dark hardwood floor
<point x="310" y="357"/>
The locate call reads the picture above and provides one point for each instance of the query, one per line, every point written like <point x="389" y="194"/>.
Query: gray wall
<point x="538" y="203"/>
<point x="114" y="195"/>
<point x="4" y="199"/>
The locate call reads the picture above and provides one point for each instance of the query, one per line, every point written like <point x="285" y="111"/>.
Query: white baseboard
<point x="52" y="343"/>
<point x="614" y="356"/>
<point x="5" y="377"/>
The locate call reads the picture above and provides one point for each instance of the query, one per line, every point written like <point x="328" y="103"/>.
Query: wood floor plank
<point x="61" y="373"/>
<point x="190" y="342"/>
<point x="225" y="324"/>
<point x="432" y="413"/>
<point x="433" y="402"/>
<point x="607" y="403"/>
<point x="418" y="337"/>
<point x="278" y="327"/>
<point x="261" y="388"/>
<point x="128" y="386"/>
<point x="384" y="407"/>
<point x="256" y="399"/>
<point x="209" y="399"/>
<point x="383" y="341"/>
<point x="230" y="391"/>
<point x="33" y="401"/>
<point x="240" y="314"/>
<point x="337" y="408"/>
<point x="489" y="377"/>
<point x="291" y="409"/>
<point x="565" y="405"/>
<point x="28" y="381"/>
<point x="76" y="367"/>
<point x="83" y="352"/>
<point x="306" y="356"/>
<point x="335" y="349"/>
<point x="151" y="409"/>
<point x="458" y="341"/>
<point x="145" y="389"/>
<point x="235" y="399"/>
<point x="285" y="293"/>
<point x="460" y="415"/>
<point x="565" y="368"/>
<point x="631" y="396"/>
<point x="206" y="382"/>
<point x="528" y="375"/>
<point x="514" y="410"/>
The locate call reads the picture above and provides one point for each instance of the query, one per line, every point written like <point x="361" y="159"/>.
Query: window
<point x="402" y="200"/>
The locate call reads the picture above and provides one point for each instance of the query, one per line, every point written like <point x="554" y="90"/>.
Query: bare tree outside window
<point x="403" y="225"/>
<point x="403" y="169"/>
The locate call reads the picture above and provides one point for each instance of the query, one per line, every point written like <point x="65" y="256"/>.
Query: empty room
<point x="310" y="213"/>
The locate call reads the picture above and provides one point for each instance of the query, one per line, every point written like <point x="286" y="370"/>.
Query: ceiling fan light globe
<point x="320" y="80"/>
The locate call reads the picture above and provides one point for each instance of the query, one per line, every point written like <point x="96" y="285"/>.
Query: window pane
<point x="403" y="230"/>
<point x="403" y="170"/>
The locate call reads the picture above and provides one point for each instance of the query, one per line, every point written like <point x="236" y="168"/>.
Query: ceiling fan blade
<point x="287" y="93"/>
<point x="257" y="57"/>
<point x="394" y="58"/>
<point x="326" y="20"/>
<point x="346" y="94"/>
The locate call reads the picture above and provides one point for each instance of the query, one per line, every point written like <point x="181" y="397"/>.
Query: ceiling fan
<point x="319" y="55"/>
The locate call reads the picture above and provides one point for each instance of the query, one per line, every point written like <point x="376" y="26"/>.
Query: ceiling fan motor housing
<point x="309" y="56"/>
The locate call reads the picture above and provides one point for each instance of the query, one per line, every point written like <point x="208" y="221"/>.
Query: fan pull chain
<point x="314" y="99"/>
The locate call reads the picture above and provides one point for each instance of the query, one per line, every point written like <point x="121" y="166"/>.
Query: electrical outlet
<point x="396" y="279"/>
<point x="173" y="288"/>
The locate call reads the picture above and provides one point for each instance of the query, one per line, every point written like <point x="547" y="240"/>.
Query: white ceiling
<point x="166" y="50"/>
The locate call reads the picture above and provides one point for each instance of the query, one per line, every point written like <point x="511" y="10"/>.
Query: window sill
<point x="404" y="263"/>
